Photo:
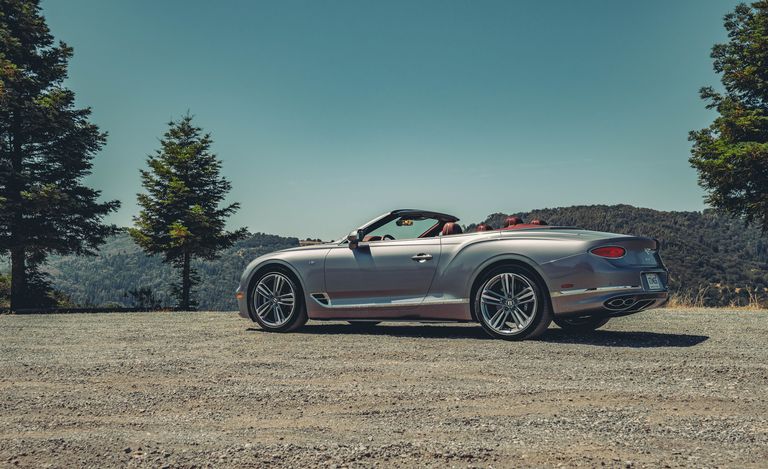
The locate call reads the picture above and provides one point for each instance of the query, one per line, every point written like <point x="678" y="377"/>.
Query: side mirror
<point x="353" y="239"/>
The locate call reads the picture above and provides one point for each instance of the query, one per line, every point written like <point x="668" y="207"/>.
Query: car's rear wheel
<point x="585" y="324"/>
<point x="276" y="301"/>
<point x="511" y="304"/>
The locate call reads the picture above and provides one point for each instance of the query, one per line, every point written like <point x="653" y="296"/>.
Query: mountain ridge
<point x="709" y="255"/>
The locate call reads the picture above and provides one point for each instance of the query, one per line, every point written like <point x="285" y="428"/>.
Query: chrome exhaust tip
<point x="620" y="303"/>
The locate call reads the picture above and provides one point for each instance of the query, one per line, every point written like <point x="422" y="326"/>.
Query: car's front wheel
<point x="276" y="301"/>
<point x="510" y="304"/>
<point x="581" y="325"/>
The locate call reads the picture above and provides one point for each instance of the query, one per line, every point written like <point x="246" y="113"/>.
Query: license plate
<point x="653" y="281"/>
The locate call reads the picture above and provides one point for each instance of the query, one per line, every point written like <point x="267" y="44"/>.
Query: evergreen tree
<point x="46" y="148"/>
<point x="181" y="216"/>
<point x="5" y="291"/>
<point x="731" y="155"/>
<point x="144" y="298"/>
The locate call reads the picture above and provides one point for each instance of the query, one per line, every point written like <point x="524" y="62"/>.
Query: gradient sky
<point x="328" y="113"/>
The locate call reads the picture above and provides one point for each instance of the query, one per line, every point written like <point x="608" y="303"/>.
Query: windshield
<point x="402" y="228"/>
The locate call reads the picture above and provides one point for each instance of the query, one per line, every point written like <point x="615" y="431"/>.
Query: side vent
<point x="321" y="298"/>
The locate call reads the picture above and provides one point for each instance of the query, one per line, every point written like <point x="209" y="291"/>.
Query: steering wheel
<point x="387" y="236"/>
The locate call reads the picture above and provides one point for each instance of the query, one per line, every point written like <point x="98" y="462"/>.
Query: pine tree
<point x="46" y="148"/>
<point x="731" y="155"/>
<point x="181" y="216"/>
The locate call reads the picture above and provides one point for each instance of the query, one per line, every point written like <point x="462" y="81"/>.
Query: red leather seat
<point x="512" y="221"/>
<point x="484" y="227"/>
<point x="537" y="221"/>
<point x="450" y="228"/>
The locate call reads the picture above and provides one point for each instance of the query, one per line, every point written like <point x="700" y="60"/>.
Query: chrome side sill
<point x="580" y="291"/>
<point x="328" y="304"/>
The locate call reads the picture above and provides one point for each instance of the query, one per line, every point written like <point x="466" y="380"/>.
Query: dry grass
<point x="697" y="299"/>
<point x="688" y="299"/>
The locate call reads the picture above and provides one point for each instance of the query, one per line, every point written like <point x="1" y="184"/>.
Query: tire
<point x="283" y="311"/>
<point x="524" y="314"/>
<point x="585" y="324"/>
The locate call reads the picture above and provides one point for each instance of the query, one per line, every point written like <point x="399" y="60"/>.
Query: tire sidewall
<point x="299" y="314"/>
<point x="543" y="314"/>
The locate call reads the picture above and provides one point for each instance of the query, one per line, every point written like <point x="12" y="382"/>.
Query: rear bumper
<point x="607" y="301"/>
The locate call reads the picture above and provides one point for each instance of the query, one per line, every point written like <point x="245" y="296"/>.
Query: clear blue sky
<point x="327" y="113"/>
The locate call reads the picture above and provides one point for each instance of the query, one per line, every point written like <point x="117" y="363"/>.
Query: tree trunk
<point x="186" y="282"/>
<point x="18" y="279"/>
<point x="19" y="296"/>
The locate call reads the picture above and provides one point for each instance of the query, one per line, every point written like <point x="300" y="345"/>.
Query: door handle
<point x="422" y="257"/>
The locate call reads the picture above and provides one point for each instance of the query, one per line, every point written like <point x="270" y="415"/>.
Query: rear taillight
<point x="610" y="252"/>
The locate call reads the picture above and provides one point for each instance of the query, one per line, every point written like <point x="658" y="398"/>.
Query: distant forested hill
<point x="121" y="266"/>
<point x="708" y="254"/>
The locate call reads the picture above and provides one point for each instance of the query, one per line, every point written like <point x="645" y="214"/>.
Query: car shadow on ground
<point x="436" y="331"/>
<point x="632" y="339"/>
<point x="635" y="339"/>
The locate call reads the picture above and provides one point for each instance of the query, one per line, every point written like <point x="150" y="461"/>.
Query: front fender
<point x="260" y="262"/>
<point x="307" y="264"/>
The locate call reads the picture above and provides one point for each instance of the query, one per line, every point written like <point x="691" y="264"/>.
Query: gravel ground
<point x="661" y="388"/>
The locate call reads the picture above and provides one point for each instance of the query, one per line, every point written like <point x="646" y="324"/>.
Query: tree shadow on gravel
<point x="632" y="339"/>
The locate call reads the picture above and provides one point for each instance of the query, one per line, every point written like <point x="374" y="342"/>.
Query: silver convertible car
<point x="417" y="265"/>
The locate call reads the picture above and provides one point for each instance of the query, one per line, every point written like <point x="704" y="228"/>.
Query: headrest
<point x="451" y="228"/>
<point x="510" y="221"/>
<point x="536" y="221"/>
<point x="483" y="227"/>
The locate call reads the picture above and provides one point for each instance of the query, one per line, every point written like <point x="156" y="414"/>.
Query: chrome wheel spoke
<point x="520" y="319"/>
<point x="264" y="290"/>
<point x="499" y="318"/>
<point x="286" y="299"/>
<point x="525" y="294"/>
<point x="493" y="294"/>
<point x="262" y="310"/>
<point x="492" y="298"/>
<point x="278" y="313"/>
<point x="505" y="284"/>
<point x="278" y="285"/>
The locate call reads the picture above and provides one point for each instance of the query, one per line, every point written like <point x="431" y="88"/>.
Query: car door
<point x="381" y="278"/>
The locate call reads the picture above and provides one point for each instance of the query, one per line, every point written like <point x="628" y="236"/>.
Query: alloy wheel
<point x="274" y="299"/>
<point x="508" y="303"/>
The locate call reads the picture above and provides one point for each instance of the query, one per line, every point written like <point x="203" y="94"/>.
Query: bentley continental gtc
<point x="418" y="265"/>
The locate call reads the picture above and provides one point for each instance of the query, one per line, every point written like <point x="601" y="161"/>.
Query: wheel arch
<point x="526" y="264"/>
